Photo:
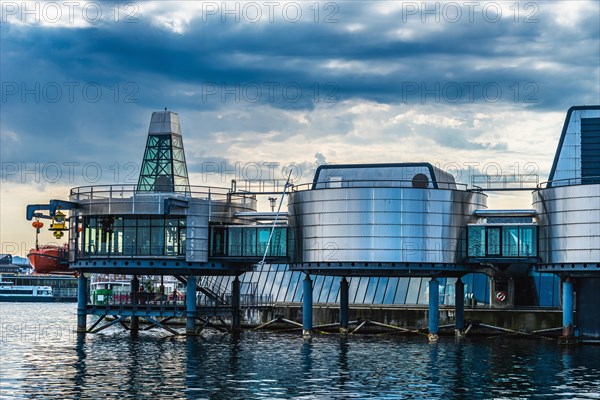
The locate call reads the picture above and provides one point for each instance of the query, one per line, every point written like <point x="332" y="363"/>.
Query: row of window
<point x="502" y="241"/>
<point x="248" y="241"/>
<point x="131" y="236"/>
<point x="158" y="235"/>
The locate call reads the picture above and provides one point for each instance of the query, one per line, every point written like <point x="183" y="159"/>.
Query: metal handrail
<point x="105" y="192"/>
<point x="375" y="183"/>
<point x="569" y="181"/>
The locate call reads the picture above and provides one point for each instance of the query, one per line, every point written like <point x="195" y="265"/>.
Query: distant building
<point x="7" y="266"/>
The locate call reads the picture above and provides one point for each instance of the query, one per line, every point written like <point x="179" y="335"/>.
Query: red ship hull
<point x="50" y="260"/>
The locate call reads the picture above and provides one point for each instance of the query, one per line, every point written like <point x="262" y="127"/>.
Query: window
<point x="510" y="241"/>
<point x="528" y="241"/>
<point x="235" y="242"/>
<point x="249" y="242"/>
<point x="218" y="241"/>
<point x="493" y="241"/>
<point x="476" y="246"/>
<point x="502" y="241"/>
<point x="132" y="236"/>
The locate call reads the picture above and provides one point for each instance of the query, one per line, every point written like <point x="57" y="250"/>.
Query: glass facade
<point x="283" y="285"/>
<point x="547" y="289"/>
<point x="113" y="235"/>
<point x="576" y="158"/>
<point x="163" y="167"/>
<point x="511" y="241"/>
<point x="247" y="241"/>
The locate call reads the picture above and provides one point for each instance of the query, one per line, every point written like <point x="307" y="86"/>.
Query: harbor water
<point x="41" y="357"/>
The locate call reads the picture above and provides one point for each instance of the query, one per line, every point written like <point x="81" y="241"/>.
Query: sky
<point x="261" y="88"/>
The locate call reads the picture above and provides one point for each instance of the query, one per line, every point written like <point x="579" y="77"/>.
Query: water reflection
<point x="80" y="365"/>
<point x="457" y="383"/>
<point x="306" y="358"/>
<point x="344" y="367"/>
<point x="266" y="365"/>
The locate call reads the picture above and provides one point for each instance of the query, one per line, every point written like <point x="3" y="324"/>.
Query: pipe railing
<point x="569" y="182"/>
<point x="116" y="192"/>
<point x="381" y="183"/>
<point x="151" y="300"/>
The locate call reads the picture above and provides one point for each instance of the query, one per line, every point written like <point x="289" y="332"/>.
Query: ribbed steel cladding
<point x="569" y="220"/>
<point x="381" y="224"/>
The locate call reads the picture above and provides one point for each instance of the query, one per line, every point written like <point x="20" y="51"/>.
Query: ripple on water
<point x="41" y="357"/>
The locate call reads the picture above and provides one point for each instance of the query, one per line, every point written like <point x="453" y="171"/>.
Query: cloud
<point x="342" y="82"/>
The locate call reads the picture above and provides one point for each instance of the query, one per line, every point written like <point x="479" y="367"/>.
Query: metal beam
<point x="258" y="215"/>
<point x="111" y="323"/>
<point x="51" y="207"/>
<point x="506" y="213"/>
<point x="166" y="328"/>
<point x="171" y="202"/>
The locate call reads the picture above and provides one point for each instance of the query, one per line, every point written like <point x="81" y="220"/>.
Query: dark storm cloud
<point x="367" y="54"/>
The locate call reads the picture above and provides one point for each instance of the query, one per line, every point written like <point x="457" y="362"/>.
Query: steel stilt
<point x="459" y="308"/>
<point x="434" y="305"/>
<point x="190" y="306"/>
<point x="82" y="296"/>
<point x="307" y="307"/>
<point x="236" y="320"/>
<point x="134" y="326"/>
<point x="568" y="334"/>
<point x="344" y="306"/>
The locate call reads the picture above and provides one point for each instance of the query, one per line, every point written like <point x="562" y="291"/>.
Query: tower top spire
<point x="163" y="167"/>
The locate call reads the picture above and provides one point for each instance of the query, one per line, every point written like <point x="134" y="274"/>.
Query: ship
<point x="64" y="287"/>
<point x="11" y="292"/>
<point x="50" y="259"/>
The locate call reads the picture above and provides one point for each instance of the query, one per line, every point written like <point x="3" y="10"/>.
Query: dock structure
<point x="391" y="221"/>
<point x="161" y="226"/>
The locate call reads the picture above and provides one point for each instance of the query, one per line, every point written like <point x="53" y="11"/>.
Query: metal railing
<point x="219" y="295"/>
<point x="120" y="192"/>
<point x="149" y="300"/>
<point x="506" y="182"/>
<point x="258" y="185"/>
<point x="138" y="299"/>
<point x="383" y="183"/>
<point x="569" y="182"/>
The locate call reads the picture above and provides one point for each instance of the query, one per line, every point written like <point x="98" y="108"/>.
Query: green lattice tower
<point x="163" y="167"/>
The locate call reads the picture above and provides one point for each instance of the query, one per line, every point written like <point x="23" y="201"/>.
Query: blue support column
<point x="567" y="308"/>
<point x="344" y="306"/>
<point x="307" y="307"/>
<point x="190" y="306"/>
<point x="459" y="308"/>
<point x="236" y="319"/>
<point x="82" y="298"/>
<point x="134" y="326"/>
<point x="434" y="305"/>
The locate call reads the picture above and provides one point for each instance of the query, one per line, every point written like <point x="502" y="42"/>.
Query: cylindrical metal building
<point x="399" y="213"/>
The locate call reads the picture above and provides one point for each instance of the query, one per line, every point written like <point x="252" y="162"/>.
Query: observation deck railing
<point x="505" y="182"/>
<point x="586" y="180"/>
<point x="383" y="183"/>
<point x="122" y="192"/>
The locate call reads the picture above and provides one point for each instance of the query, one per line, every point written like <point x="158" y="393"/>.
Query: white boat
<point x="10" y="292"/>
